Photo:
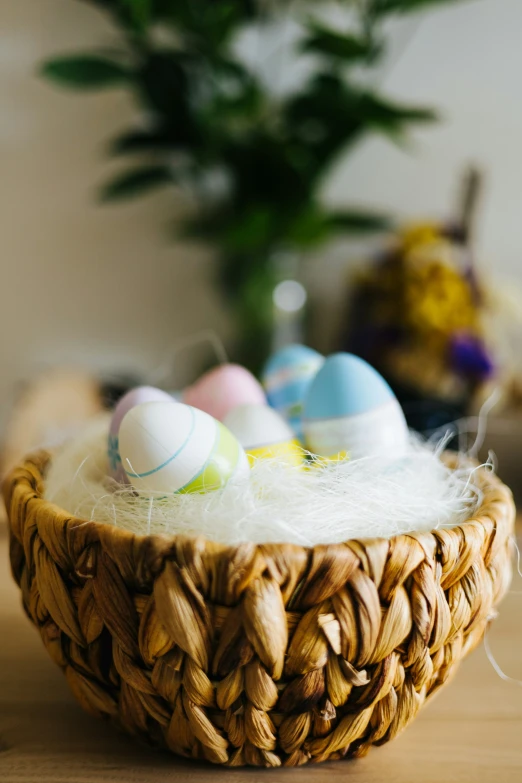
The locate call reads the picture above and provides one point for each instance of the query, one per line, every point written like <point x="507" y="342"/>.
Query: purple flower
<point x="469" y="356"/>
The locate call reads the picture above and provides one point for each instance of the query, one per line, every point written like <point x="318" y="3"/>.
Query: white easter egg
<point x="257" y="425"/>
<point x="264" y="434"/>
<point x="135" y="396"/>
<point x="176" y="448"/>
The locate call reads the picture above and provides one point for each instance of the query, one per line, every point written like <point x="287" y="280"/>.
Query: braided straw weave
<point x="265" y="655"/>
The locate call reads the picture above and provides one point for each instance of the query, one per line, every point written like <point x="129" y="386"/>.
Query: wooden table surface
<point x="470" y="733"/>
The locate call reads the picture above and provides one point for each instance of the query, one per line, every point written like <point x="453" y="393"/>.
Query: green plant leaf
<point x="164" y="82"/>
<point x="329" y="114"/>
<point x="309" y="228"/>
<point x="314" y="226"/>
<point x="266" y="170"/>
<point x="139" y="141"/>
<point x="392" y="117"/>
<point x="233" y="113"/>
<point x="205" y="227"/>
<point x="85" y="72"/>
<point x="250" y="230"/>
<point x="384" y="7"/>
<point x="355" y="221"/>
<point x="140" y="11"/>
<point x="322" y="40"/>
<point x="135" y="182"/>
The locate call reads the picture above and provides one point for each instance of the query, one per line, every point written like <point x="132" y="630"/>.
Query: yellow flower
<point x="438" y="300"/>
<point x="418" y="234"/>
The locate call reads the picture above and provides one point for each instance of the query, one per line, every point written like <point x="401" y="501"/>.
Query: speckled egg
<point x="286" y="378"/>
<point x="170" y="448"/>
<point x="349" y="407"/>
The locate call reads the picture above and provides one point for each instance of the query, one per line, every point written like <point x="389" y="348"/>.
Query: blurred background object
<point x="442" y="332"/>
<point x="418" y="313"/>
<point x="251" y="157"/>
<point x="51" y="408"/>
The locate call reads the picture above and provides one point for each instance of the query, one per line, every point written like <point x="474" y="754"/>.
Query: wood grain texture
<point x="469" y="734"/>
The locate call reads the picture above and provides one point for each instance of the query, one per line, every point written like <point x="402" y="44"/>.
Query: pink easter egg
<point x="133" y="397"/>
<point x="223" y="388"/>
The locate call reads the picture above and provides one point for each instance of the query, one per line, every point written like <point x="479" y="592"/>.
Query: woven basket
<point x="262" y="655"/>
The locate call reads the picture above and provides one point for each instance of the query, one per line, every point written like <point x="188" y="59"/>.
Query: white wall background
<point x="97" y="286"/>
<point x="465" y="59"/>
<point x="103" y="286"/>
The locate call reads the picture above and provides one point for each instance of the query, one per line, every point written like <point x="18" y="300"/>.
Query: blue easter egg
<point x="286" y="378"/>
<point x="350" y="407"/>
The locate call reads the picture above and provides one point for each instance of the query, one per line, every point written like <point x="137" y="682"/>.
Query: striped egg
<point x="133" y="397"/>
<point x="286" y="378"/>
<point x="172" y="448"/>
<point x="350" y="408"/>
<point x="264" y="434"/>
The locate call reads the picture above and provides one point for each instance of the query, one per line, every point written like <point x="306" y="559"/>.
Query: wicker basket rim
<point x="494" y="491"/>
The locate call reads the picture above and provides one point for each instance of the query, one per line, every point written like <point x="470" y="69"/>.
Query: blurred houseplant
<point x="256" y="161"/>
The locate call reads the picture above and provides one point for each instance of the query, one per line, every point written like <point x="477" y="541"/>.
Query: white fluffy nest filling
<point x="365" y="498"/>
